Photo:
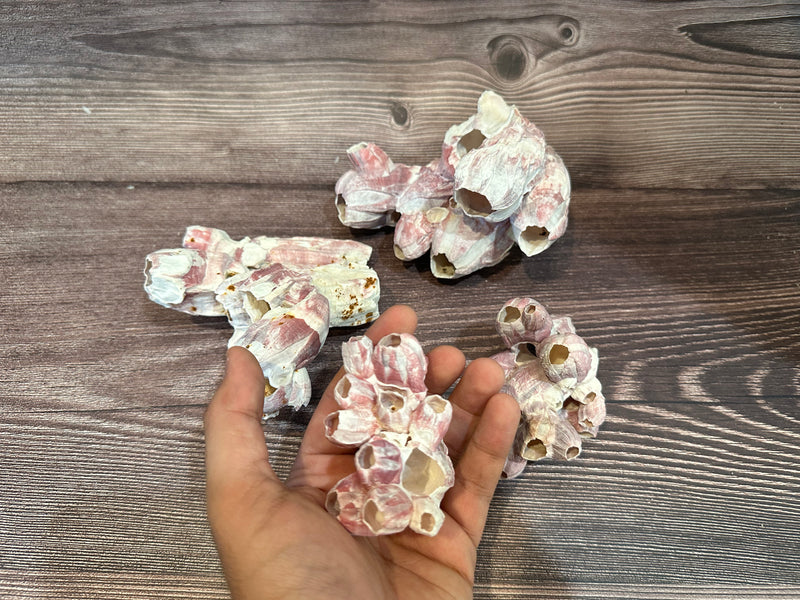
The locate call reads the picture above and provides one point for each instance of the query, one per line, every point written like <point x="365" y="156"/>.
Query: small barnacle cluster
<point x="402" y="466"/>
<point x="496" y="183"/>
<point x="552" y="373"/>
<point x="281" y="295"/>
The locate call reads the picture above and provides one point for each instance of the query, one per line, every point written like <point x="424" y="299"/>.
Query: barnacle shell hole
<point x="331" y="423"/>
<point x="473" y="203"/>
<point x="422" y="475"/>
<point x="558" y="354"/>
<point x="148" y="280"/>
<point x="398" y="252"/>
<point x="442" y="267"/>
<point x="391" y="400"/>
<point x="535" y="450"/>
<point x="571" y="405"/>
<point x="341" y="206"/>
<point x="470" y="141"/>
<point x="373" y="517"/>
<point x="255" y="308"/>
<point x="391" y="341"/>
<point x="572" y="452"/>
<point x="332" y="503"/>
<point x="437" y="404"/>
<point x="525" y="353"/>
<point x="366" y="458"/>
<point x="427" y="522"/>
<point x="509" y="314"/>
<point x="534" y="238"/>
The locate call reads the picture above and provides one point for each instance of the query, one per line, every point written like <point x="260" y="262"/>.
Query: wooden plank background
<point x="123" y="122"/>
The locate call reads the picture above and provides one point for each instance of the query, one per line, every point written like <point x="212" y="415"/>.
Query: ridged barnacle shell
<point x="552" y="373"/>
<point x="402" y="466"/>
<point x="496" y="178"/>
<point x="280" y="295"/>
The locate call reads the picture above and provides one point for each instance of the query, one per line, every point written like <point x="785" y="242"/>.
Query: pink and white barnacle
<point x="398" y="359"/>
<point x="567" y="359"/>
<point x="542" y="216"/>
<point x="523" y="320"/>
<point x="552" y="373"/>
<point x="402" y="462"/>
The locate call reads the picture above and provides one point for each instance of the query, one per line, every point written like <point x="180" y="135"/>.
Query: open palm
<point x="276" y="540"/>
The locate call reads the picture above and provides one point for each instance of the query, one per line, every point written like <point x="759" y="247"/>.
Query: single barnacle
<point x="492" y="180"/>
<point x="413" y="233"/>
<point x="351" y="426"/>
<point x="567" y="359"/>
<point x="542" y="216"/>
<point x="587" y="416"/>
<point x="462" y="244"/>
<point x="523" y="320"/>
<point x="357" y="356"/>
<point x="529" y="384"/>
<point x="387" y="509"/>
<point x="398" y="359"/>
<point x="346" y="501"/>
<point x="430" y="420"/>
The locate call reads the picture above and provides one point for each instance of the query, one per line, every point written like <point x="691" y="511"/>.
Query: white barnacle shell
<point x="523" y="320"/>
<point x="357" y="356"/>
<point x="542" y="216"/>
<point x="353" y="292"/>
<point x="179" y="279"/>
<point x="398" y="359"/>
<point x="529" y="384"/>
<point x="566" y="359"/>
<point x="586" y="417"/>
<point x="491" y="180"/>
<point x="463" y="244"/>
<point x="413" y="233"/>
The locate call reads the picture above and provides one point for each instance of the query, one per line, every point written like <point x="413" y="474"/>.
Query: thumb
<point x="236" y="454"/>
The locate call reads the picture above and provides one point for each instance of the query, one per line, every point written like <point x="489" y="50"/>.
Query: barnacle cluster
<point x="281" y="295"/>
<point x="402" y="466"/>
<point x="552" y="373"/>
<point x="496" y="183"/>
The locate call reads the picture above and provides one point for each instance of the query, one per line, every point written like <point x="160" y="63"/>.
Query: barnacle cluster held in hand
<point x="281" y="295"/>
<point x="552" y="373"/>
<point x="402" y="466"/>
<point x="496" y="183"/>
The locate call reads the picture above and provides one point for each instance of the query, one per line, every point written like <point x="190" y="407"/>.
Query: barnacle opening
<point x="441" y="266"/>
<point x="509" y="314"/>
<point x="525" y="353"/>
<point x="422" y="475"/>
<point x="366" y="457"/>
<point x="373" y="516"/>
<point x="341" y="206"/>
<point x="437" y="403"/>
<point x="590" y="397"/>
<point x="427" y="522"/>
<point x="535" y="449"/>
<point x="332" y="503"/>
<point x="254" y="307"/>
<point x="558" y="354"/>
<point x="391" y="341"/>
<point x="571" y="405"/>
<point x="148" y="279"/>
<point x="391" y="400"/>
<point x="470" y="141"/>
<point x="572" y="452"/>
<point x="398" y="252"/>
<point x="473" y="203"/>
<point x="534" y="239"/>
<point x="331" y="423"/>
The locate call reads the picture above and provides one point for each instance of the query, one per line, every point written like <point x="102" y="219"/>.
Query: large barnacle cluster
<point x="496" y="183"/>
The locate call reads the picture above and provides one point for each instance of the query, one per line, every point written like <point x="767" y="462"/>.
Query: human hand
<point x="276" y="540"/>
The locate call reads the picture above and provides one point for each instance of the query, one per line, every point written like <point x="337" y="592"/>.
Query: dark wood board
<point x="123" y="123"/>
<point x="631" y="93"/>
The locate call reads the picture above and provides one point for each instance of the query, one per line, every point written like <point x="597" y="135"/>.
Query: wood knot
<point x="399" y="114"/>
<point x="508" y="56"/>
<point x="568" y="32"/>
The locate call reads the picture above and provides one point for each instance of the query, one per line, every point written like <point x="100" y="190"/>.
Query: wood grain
<point x="692" y="298"/>
<point x="632" y="94"/>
